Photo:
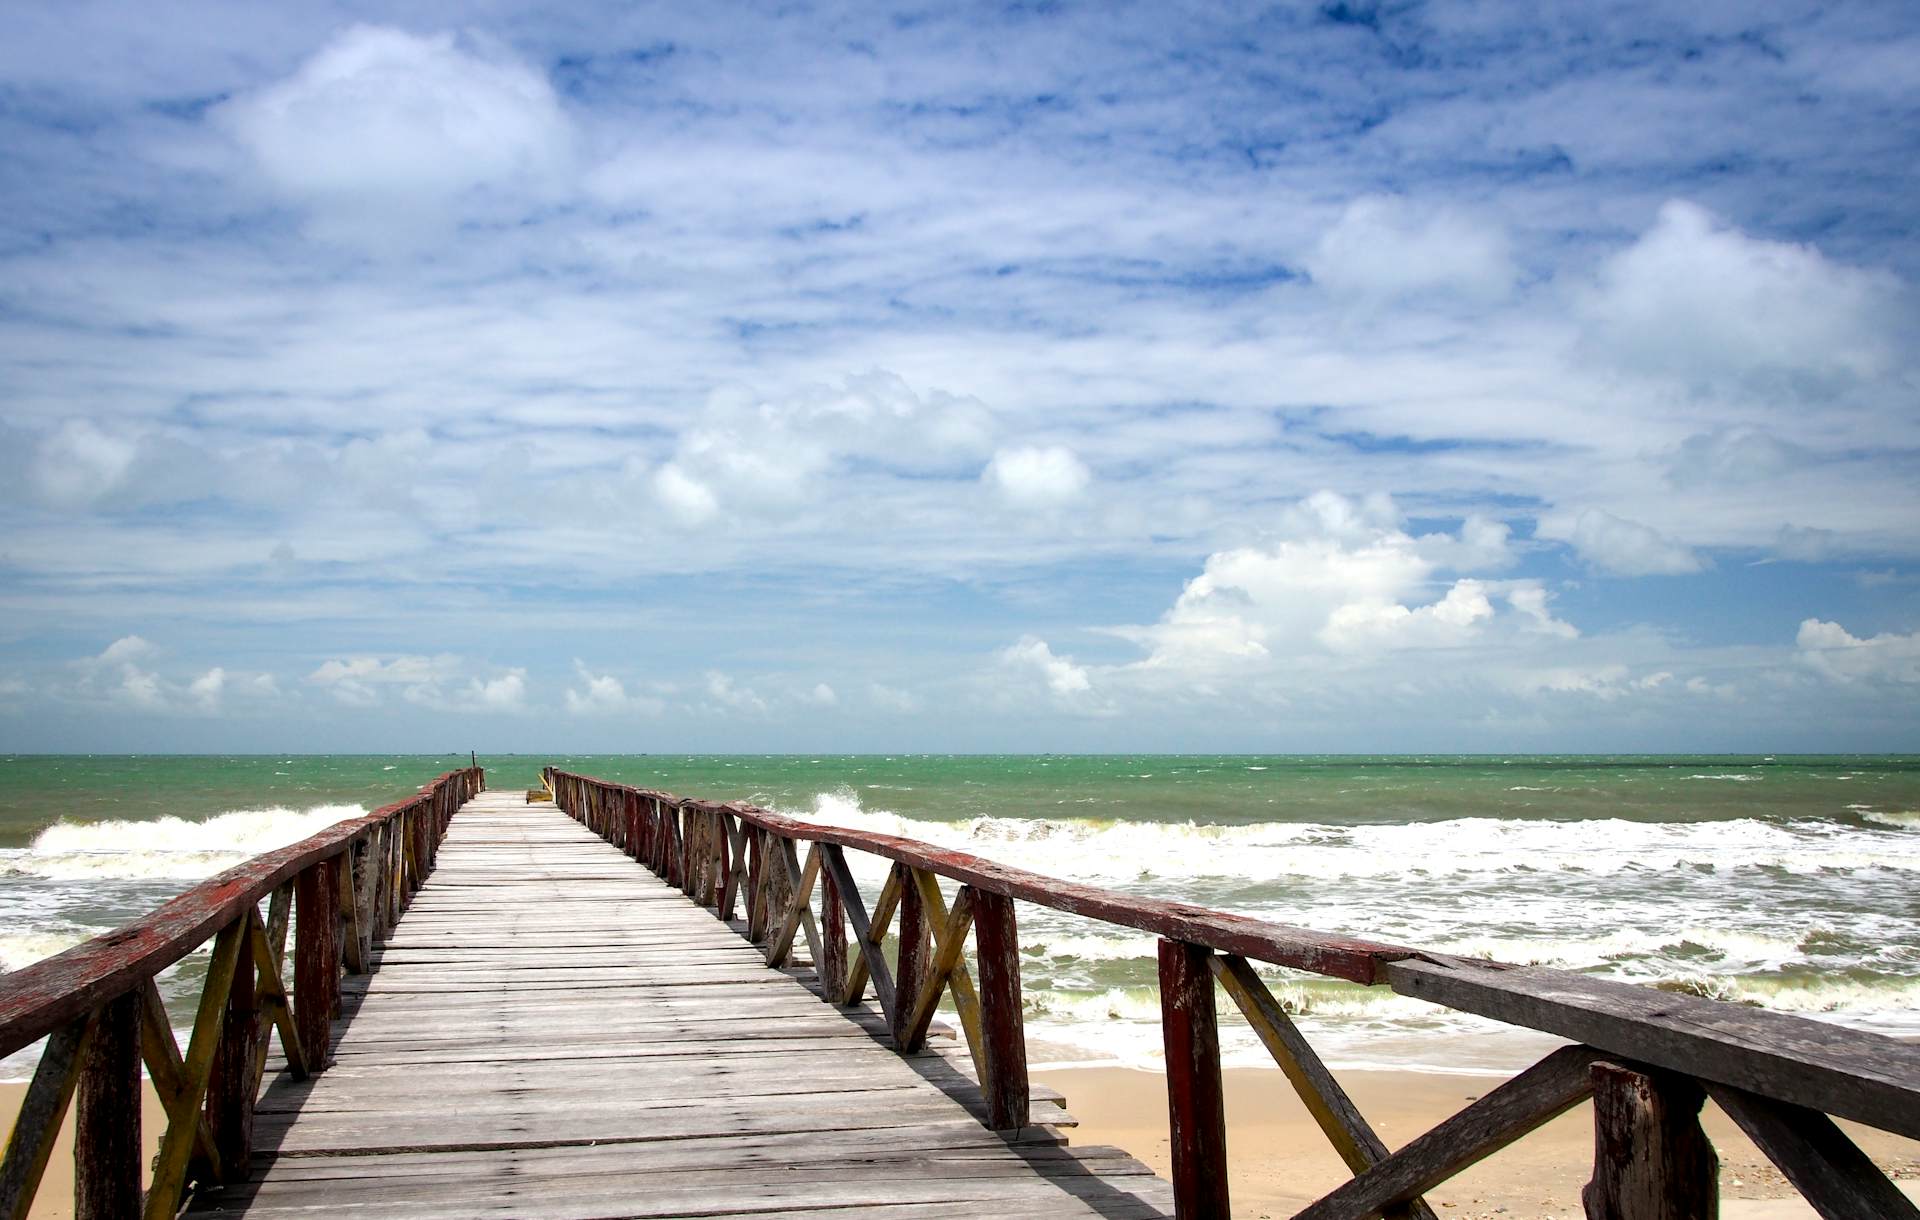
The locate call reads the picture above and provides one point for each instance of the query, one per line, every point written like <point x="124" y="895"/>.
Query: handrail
<point x="1647" y="1058"/>
<point x="100" y="1009"/>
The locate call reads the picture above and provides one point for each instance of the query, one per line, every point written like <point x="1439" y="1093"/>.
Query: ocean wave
<point x="166" y="848"/>
<point x="1273" y="851"/>
<point x="1901" y="819"/>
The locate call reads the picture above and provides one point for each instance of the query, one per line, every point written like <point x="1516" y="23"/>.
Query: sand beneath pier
<point x="1278" y="1161"/>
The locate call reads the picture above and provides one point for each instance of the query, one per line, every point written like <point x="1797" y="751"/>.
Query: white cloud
<point x="606" y="695"/>
<point x="1619" y="546"/>
<point x="1384" y="248"/>
<point x="892" y="699"/>
<point x="358" y="680"/>
<point x="686" y="499"/>
<point x="1064" y="678"/>
<point x="206" y="688"/>
<point x="382" y="128"/>
<point x="125" y="649"/>
<point x="506" y="693"/>
<point x="1842" y="656"/>
<point x="79" y="463"/>
<point x="730" y="697"/>
<point x="1696" y="297"/>
<point x="823" y="695"/>
<point x="1037" y="476"/>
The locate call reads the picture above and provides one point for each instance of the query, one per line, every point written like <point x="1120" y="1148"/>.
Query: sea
<point x="1789" y="883"/>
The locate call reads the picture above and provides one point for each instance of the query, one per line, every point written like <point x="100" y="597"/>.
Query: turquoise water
<point x="1786" y="882"/>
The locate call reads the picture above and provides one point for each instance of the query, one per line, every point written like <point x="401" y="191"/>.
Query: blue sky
<point x="1293" y="377"/>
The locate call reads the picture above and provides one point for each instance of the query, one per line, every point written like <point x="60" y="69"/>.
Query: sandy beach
<point x="56" y="1188"/>
<point x="1279" y="1161"/>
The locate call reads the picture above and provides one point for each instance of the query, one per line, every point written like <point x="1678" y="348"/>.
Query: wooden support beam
<point x="1346" y="1129"/>
<point x="910" y="956"/>
<point x="756" y="885"/>
<point x="948" y="945"/>
<point x="1196" y="1103"/>
<point x="1003" y="1039"/>
<point x="870" y="961"/>
<point x="1817" y="1157"/>
<point x="169" y="1073"/>
<point x="356" y="940"/>
<point x="966" y="1001"/>
<point x="1651" y="1160"/>
<point x="736" y="867"/>
<point x="315" y="986"/>
<point x="41" y="1111"/>
<point x="875" y="931"/>
<point x="106" y="1121"/>
<point x="183" y="1115"/>
<point x="797" y="893"/>
<point x="231" y="1085"/>
<point x="1536" y="1096"/>
<point x="270" y="990"/>
<point x="832" y="966"/>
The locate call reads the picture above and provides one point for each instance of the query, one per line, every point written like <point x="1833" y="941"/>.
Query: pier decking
<point x="550" y="1030"/>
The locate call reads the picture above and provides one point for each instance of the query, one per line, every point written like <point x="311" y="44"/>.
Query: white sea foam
<point x="182" y="848"/>
<point x="1903" y="819"/>
<point x="1270" y="851"/>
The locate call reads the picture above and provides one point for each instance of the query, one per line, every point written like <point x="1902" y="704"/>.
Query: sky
<point x="1162" y="377"/>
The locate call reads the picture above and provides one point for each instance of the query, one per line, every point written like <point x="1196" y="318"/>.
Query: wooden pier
<point x="550" y="1030"/>
<point x="627" y="1003"/>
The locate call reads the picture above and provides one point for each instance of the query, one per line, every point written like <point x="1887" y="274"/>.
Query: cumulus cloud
<point x="1697" y="297"/>
<point x="605" y="695"/>
<point x="1037" y="476"/>
<point x="358" y="680"/>
<point x="1064" y="678"/>
<point x="822" y="695"/>
<point x="1385" y="248"/>
<point x="127" y="674"/>
<point x="686" y="499"/>
<point x="79" y="463"/>
<point x="1342" y="577"/>
<point x="382" y="127"/>
<point x="754" y="454"/>
<point x="729" y="696"/>
<point x="505" y="693"/>
<point x="1837" y="653"/>
<point x="1621" y="547"/>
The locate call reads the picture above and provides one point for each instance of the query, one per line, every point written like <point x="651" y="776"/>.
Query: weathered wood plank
<point x="1651" y="1160"/>
<point x="650" y="1065"/>
<point x="1844" y="1072"/>
<point x="1196" y="1102"/>
<point x="106" y="1122"/>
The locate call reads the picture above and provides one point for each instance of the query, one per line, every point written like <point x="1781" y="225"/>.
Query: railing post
<point x="911" y="953"/>
<point x="833" y="940"/>
<point x="1196" y="1107"/>
<point x="1651" y="1160"/>
<point x="1003" y="1030"/>
<point x="106" y="1124"/>
<point x="230" y="1085"/>
<point x="314" y="981"/>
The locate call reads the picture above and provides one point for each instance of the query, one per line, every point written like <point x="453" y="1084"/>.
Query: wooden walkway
<point x="551" y="1031"/>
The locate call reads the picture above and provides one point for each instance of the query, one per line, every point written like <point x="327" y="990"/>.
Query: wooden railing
<point x="100" y="1010"/>
<point x="1648" y="1059"/>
